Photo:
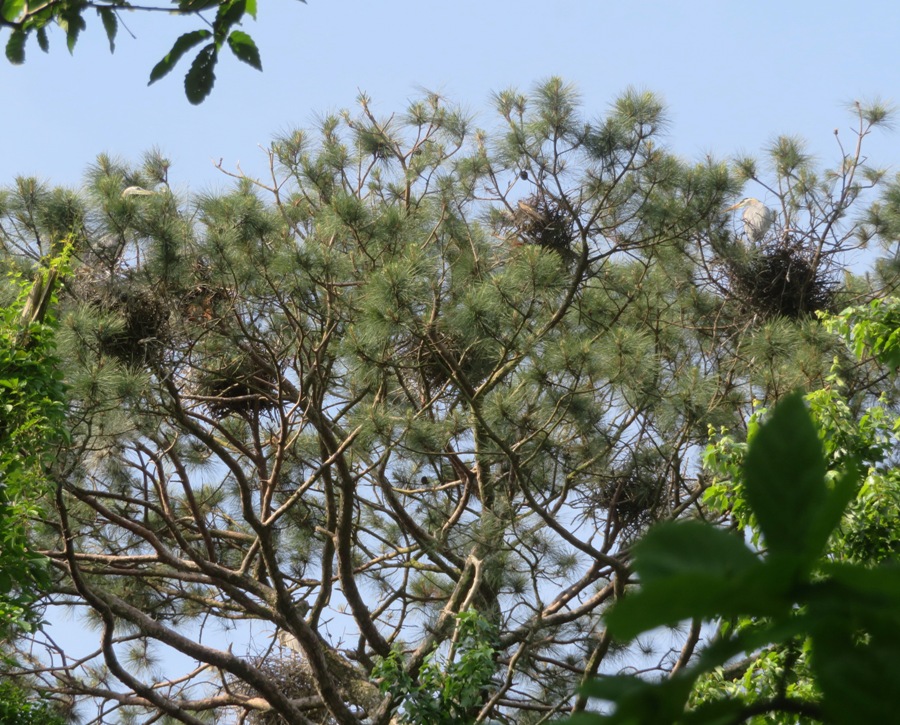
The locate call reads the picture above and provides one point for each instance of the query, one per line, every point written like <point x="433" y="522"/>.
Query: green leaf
<point x="12" y="9"/>
<point x="832" y="511"/>
<point x="686" y="569"/>
<point x="696" y="595"/>
<point x="200" y="78"/>
<point x="613" y="687"/>
<point x="855" y="678"/>
<point x="196" y="6"/>
<point x="785" y="479"/>
<point x="251" y="8"/>
<point x="229" y="14"/>
<point x="72" y="24"/>
<point x="110" y="25"/>
<point x="638" y="701"/>
<point x="181" y="46"/>
<point x="694" y="570"/>
<point x="857" y="592"/>
<point x="43" y="40"/>
<point x="244" y="48"/>
<point x="718" y="712"/>
<point x="691" y="547"/>
<point x="15" y="47"/>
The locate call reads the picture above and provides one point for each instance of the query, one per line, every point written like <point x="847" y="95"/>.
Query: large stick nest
<point x="543" y="222"/>
<point x="428" y="361"/>
<point x="206" y="301"/>
<point x="294" y="677"/>
<point x="634" y="495"/>
<point x="241" y="381"/>
<point x="139" y="325"/>
<point x="295" y="680"/>
<point x="781" y="279"/>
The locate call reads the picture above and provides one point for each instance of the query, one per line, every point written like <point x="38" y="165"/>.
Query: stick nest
<point x="543" y="222"/>
<point x="782" y="278"/>
<point x="136" y="328"/>
<point x="634" y="494"/>
<point x="242" y="382"/>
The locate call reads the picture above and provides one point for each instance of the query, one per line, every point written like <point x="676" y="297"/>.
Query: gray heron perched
<point x="758" y="218"/>
<point x="137" y="191"/>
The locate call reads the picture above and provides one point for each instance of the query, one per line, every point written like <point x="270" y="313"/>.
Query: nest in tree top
<point x="139" y="325"/>
<point x="242" y="382"/>
<point x="205" y="304"/>
<point x="633" y="496"/>
<point x="541" y="221"/>
<point x="781" y="280"/>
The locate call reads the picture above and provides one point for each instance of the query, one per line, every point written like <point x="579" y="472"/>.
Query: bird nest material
<point x="295" y="679"/>
<point x="241" y="382"/>
<point x="207" y="301"/>
<point x="206" y="304"/>
<point x="543" y="222"/>
<point x="425" y="364"/>
<point x="137" y="325"/>
<point x="634" y="495"/>
<point x="781" y="279"/>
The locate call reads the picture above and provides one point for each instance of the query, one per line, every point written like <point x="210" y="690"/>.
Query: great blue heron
<point x="758" y="218"/>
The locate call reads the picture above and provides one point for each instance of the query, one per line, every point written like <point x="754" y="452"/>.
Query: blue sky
<point x="733" y="75"/>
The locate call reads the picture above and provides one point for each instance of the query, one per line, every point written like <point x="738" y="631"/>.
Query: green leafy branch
<point x="32" y="413"/>
<point x="872" y="329"/>
<point x="845" y="614"/>
<point x="24" y="18"/>
<point x="444" y="693"/>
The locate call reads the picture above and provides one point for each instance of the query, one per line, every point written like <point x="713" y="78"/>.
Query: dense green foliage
<point x="449" y="692"/>
<point x="25" y="18"/>
<point x="32" y="409"/>
<point x="422" y="373"/>
<point x="16" y="708"/>
<point x="816" y="613"/>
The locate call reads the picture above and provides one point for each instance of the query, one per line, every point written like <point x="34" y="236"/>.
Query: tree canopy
<point x="382" y="430"/>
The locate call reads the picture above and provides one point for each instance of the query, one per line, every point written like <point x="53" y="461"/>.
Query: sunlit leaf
<point x="229" y="14"/>
<point x="72" y="23"/>
<point x="10" y="10"/>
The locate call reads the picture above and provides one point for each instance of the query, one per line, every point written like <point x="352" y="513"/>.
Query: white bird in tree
<point x="758" y="218"/>
<point x="137" y="191"/>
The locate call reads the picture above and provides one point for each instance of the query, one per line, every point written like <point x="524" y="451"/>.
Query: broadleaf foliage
<point x="26" y="17"/>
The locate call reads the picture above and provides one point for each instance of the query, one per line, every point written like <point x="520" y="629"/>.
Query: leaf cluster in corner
<point x="692" y="570"/>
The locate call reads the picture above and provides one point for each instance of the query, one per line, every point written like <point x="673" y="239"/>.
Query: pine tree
<point x="421" y="371"/>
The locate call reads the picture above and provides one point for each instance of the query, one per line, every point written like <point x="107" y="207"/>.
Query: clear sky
<point x="733" y="75"/>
